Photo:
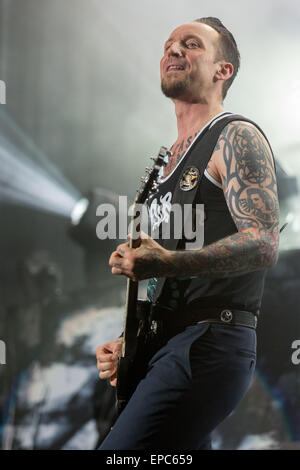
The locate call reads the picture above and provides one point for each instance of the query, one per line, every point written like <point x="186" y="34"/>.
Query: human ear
<point x="225" y="71"/>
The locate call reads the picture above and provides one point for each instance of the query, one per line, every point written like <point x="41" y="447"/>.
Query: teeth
<point x="175" y="67"/>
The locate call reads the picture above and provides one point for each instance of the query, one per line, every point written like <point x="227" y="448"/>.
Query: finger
<point x="144" y="235"/>
<point x="107" y="374"/>
<point x="115" y="257"/>
<point x="105" y="366"/>
<point x="111" y="357"/>
<point x="123" y="250"/>
<point x="104" y="357"/>
<point x="116" y="264"/>
<point x="113" y="380"/>
<point x="117" y="350"/>
<point x="107" y="350"/>
<point x="114" y="377"/>
<point x="115" y="270"/>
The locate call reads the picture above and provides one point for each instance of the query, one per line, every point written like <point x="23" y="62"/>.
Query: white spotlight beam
<point x="23" y="181"/>
<point x="13" y="133"/>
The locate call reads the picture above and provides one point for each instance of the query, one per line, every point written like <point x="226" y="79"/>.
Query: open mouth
<point x="174" y="67"/>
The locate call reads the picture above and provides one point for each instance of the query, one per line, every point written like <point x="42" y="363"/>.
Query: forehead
<point x="207" y="34"/>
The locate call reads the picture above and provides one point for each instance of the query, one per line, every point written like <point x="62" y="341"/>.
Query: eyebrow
<point x="186" y="38"/>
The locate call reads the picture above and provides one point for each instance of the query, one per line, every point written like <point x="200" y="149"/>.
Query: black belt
<point x="158" y="318"/>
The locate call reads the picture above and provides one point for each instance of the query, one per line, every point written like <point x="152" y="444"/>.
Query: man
<point x="202" y="369"/>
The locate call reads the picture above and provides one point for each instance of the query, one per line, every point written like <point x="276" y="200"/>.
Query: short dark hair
<point x="228" y="49"/>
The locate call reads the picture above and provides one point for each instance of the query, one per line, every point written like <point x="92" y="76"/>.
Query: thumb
<point x="144" y="235"/>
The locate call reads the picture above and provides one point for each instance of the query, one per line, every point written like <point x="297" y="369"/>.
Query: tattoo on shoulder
<point x="249" y="177"/>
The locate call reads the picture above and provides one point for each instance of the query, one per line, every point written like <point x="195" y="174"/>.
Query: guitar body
<point x="130" y="372"/>
<point x="131" y="368"/>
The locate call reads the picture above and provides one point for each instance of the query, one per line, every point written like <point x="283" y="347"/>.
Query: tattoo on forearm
<point x="154" y="263"/>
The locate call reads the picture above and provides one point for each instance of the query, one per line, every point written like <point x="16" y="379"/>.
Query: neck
<point x="191" y="117"/>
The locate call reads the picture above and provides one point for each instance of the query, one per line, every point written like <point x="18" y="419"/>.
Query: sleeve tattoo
<point x="249" y="185"/>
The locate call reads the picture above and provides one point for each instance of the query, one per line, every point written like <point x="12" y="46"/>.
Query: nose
<point x="176" y="49"/>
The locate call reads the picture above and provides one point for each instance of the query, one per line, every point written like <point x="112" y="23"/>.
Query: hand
<point x="146" y="261"/>
<point x="107" y="360"/>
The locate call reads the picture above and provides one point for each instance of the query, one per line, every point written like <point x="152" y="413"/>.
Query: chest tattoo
<point x="178" y="151"/>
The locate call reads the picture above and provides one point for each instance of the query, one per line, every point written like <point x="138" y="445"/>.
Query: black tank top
<point x="241" y="292"/>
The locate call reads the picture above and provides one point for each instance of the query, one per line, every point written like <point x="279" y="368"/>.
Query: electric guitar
<point x="127" y="375"/>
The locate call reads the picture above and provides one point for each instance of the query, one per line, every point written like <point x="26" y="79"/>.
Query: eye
<point x="191" y="44"/>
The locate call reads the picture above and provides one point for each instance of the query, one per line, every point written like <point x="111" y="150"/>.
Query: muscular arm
<point x="245" y="165"/>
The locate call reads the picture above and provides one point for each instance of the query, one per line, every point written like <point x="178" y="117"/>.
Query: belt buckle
<point x="226" y="316"/>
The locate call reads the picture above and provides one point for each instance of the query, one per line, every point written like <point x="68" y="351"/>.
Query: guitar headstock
<point x="149" y="181"/>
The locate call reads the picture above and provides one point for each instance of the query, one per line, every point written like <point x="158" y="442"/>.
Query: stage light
<point x="78" y="210"/>
<point x="84" y="219"/>
<point x="27" y="177"/>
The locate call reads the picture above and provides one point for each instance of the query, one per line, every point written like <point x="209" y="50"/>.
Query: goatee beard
<point x="176" y="88"/>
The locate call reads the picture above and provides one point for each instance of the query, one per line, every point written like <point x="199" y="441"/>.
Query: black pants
<point x="192" y="384"/>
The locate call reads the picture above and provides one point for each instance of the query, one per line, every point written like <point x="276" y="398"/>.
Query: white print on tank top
<point x="159" y="211"/>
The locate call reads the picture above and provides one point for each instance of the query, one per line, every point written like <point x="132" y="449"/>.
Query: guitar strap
<point x="197" y="157"/>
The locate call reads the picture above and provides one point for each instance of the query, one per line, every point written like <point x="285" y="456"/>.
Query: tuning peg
<point x="144" y="179"/>
<point x="153" y="158"/>
<point x="147" y="169"/>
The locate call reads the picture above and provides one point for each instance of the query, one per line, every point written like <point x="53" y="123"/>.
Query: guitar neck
<point x="130" y="317"/>
<point x="131" y="299"/>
